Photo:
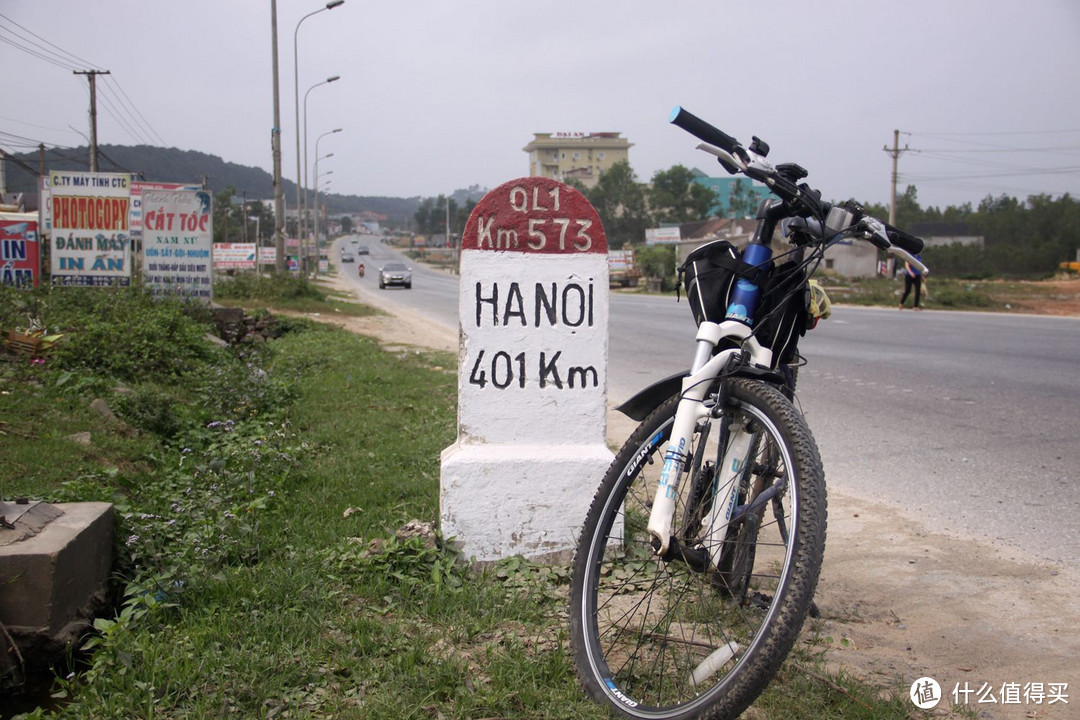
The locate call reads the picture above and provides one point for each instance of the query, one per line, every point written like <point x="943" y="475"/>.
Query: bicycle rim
<point x="665" y="639"/>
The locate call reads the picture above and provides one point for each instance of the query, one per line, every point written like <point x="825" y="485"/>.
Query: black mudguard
<point x="645" y="401"/>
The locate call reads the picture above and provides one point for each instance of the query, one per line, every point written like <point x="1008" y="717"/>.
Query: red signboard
<point x="535" y="215"/>
<point x="20" y="262"/>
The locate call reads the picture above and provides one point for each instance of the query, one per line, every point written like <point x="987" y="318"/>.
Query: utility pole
<point x="243" y="209"/>
<point x="92" y="77"/>
<point x="894" y="152"/>
<point x="279" y="193"/>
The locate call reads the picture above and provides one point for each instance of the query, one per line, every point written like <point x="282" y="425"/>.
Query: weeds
<point x="264" y="567"/>
<point x="267" y="288"/>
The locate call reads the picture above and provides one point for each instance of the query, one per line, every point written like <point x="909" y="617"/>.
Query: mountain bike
<point x="699" y="557"/>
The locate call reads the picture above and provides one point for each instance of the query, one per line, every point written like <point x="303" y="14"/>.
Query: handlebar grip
<point x="702" y="130"/>
<point x="905" y="241"/>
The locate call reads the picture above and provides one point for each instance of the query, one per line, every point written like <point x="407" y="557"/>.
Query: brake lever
<point x="730" y="163"/>
<point x="874" y="231"/>
<point x="879" y="236"/>
<point x="905" y="255"/>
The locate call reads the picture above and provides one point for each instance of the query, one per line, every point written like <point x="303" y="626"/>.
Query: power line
<point x="988" y="163"/>
<point x="72" y="61"/>
<point x="121" y="108"/>
<point x="1073" y="170"/>
<point x="145" y="124"/>
<point x="985" y="160"/>
<point x="10" y="157"/>
<point x="1001" y="150"/>
<point x="18" y="140"/>
<point x="33" y="125"/>
<point x="34" y="53"/>
<point x="995" y="133"/>
<point x="115" y="115"/>
<point x="91" y="75"/>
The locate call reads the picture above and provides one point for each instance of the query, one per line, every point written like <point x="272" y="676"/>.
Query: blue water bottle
<point x="745" y="296"/>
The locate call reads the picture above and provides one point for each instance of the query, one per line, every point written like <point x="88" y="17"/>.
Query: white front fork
<point x="690" y="411"/>
<point x="732" y="467"/>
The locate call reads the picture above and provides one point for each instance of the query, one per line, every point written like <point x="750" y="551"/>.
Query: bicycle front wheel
<point x="701" y="634"/>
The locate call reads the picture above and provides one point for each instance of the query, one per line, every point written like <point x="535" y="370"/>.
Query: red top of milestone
<point x="535" y="215"/>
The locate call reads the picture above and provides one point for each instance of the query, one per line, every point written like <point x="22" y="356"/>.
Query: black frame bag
<point x="783" y="313"/>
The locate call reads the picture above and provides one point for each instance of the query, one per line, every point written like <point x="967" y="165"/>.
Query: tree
<point x="619" y="200"/>
<point x="431" y="215"/>
<point x="908" y="211"/>
<point x="676" y="198"/>
<point x="658" y="261"/>
<point x="742" y="203"/>
<point x="225" y="227"/>
<point x="234" y="219"/>
<point x="265" y="224"/>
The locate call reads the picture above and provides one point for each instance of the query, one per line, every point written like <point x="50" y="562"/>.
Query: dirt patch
<point x="391" y="327"/>
<point x="899" y="600"/>
<point x="1060" y="296"/>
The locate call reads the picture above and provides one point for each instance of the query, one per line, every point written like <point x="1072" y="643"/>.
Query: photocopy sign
<point x="532" y="386"/>
<point x="91" y="241"/>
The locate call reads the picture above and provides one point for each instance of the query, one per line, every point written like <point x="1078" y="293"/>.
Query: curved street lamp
<point x="303" y="228"/>
<point x="317" y="158"/>
<point x="296" y="93"/>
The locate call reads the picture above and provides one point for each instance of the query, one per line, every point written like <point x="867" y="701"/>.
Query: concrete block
<point x="503" y="500"/>
<point x="50" y="579"/>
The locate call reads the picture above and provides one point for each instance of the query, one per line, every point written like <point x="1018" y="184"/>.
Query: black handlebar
<point x="904" y="241"/>
<point x="781" y="185"/>
<point x="703" y="130"/>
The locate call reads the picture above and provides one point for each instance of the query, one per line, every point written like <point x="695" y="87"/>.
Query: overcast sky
<point x="436" y="96"/>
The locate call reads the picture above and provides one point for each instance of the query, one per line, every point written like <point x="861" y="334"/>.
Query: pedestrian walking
<point x="913" y="278"/>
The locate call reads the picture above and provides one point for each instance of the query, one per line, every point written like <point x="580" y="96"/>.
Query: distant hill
<point x="188" y="166"/>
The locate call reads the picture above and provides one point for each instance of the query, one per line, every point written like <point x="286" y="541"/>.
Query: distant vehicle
<point x="363" y="250"/>
<point x="347" y="257"/>
<point x="395" y="273"/>
<point x="622" y="268"/>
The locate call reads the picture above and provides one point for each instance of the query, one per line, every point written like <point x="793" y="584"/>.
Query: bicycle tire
<point x="640" y="627"/>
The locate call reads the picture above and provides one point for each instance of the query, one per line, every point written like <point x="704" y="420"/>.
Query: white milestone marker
<point x="532" y="390"/>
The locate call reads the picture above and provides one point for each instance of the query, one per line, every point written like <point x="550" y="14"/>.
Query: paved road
<point x="970" y="420"/>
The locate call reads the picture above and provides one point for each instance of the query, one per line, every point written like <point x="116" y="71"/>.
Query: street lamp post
<point x="296" y="93"/>
<point x="332" y="78"/>
<point x="328" y="172"/>
<point x="318" y="139"/>
<point x="322" y="188"/>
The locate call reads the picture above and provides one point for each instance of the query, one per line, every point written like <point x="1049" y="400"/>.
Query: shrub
<point x="150" y="408"/>
<point x="266" y="288"/>
<point x="126" y="333"/>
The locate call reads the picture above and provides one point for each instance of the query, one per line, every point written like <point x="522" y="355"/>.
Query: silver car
<point x="395" y="273"/>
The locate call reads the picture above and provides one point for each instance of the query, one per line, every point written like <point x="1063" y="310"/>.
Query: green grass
<point x="260" y="569"/>
<point x="285" y="293"/>
<point x="938" y="293"/>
